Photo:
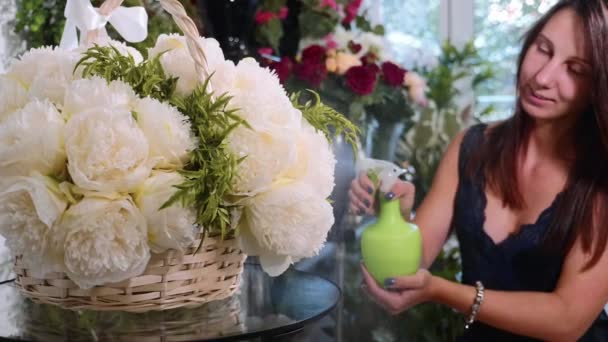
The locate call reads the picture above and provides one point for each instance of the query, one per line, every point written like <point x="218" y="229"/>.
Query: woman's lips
<point x="537" y="99"/>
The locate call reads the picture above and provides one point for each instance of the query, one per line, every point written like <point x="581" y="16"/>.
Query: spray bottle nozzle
<point x="381" y="172"/>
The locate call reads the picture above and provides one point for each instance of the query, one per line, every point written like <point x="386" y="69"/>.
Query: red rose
<point x="262" y="17"/>
<point x="361" y="80"/>
<point x="393" y="74"/>
<point x="282" y="68"/>
<point x="314" y="54"/>
<point x="373" y="67"/>
<point x="312" y="73"/>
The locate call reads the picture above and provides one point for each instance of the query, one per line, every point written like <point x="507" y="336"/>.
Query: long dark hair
<point x="582" y="208"/>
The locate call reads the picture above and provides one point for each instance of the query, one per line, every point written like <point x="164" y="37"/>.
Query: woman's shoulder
<point x="475" y="135"/>
<point x="466" y="141"/>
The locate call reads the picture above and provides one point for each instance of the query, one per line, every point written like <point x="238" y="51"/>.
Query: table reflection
<point x="264" y="307"/>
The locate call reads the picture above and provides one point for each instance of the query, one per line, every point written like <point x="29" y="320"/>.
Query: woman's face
<point x="555" y="76"/>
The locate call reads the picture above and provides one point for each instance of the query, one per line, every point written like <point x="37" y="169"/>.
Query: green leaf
<point x="317" y="24"/>
<point x="379" y="30"/>
<point x="326" y="120"/>
<point x="363" y="24"/>
<point x="270" y="33"/>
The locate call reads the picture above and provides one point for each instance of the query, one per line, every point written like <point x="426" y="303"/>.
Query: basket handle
<point x="178" y="13"/>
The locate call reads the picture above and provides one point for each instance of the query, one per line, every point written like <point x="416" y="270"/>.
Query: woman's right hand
<point x="362" y="196"/>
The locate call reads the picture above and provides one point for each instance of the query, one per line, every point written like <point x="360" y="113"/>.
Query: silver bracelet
<point x="476" y="305"/>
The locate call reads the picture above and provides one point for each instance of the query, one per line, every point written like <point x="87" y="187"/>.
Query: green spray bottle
<point x="391" y="246"/>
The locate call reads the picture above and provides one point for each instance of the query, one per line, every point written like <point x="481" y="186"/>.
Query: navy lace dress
<point x="515" y="264"/>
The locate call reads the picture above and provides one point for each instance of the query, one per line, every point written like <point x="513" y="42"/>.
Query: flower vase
<point x="382" y="138"/>
<point x="391" y="246"/>
<point x="232" y="23"/>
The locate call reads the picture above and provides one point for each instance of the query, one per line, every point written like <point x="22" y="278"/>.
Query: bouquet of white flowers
<point x="115" y="168"/>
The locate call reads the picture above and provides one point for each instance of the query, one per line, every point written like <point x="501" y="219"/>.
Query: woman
<point x="527" y="198"/>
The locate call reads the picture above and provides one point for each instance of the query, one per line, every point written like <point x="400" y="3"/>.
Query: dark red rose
<point x="282" y="68"/>
<point x="354" y="47"/>
<point x="393" y="74"/>
<point x="373" y="67"/>
<point x="312" y="73"/>
<point x="314" y="54"/>
<point x="361" y="80"/>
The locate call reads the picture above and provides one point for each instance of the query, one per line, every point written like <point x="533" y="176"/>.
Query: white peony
<point x="106" y="150"/>
<point x="13" y="96"/>
<point x="31" y="139"/>
<point x="285" y="224"/>
<point x="171" y="227"/>
<point x="168" y="132"/>
<point x="29" y="208"/>
<point x="45" y="72"/>
<point x="85" y="94"/>
<point x="177" y="61"/>
<point x="371" y="42"/>
<point x="104" y="241"/>
<point x="315" y="161"/>
<point x="267" y="155"/>
<point x="270" y="146"/>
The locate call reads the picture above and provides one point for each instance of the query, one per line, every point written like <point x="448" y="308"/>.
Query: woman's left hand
<point x="400" y="293"/>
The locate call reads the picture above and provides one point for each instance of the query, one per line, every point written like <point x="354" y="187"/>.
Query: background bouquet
<point x="345" y="57"/>
<point x="108" y="158"/>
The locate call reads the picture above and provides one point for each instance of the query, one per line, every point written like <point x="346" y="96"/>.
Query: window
<point x="499" y="26"/>
<point x="413" y="30"/>
<point x="416" y="29"/>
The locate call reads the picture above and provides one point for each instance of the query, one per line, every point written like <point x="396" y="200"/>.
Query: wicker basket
<point x="170" y="280"/>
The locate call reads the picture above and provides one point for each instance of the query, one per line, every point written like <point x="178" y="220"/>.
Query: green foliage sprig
<point x="455" y="64"/>
<point x="326" y="119"/>
<point x="212" y="167"/>
<point x="146" y="78"/>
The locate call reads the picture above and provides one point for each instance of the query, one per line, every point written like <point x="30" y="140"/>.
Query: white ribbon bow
<point x="130" y="22"/>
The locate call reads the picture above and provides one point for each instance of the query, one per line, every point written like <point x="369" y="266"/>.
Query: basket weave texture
<point x="169" y="281"/>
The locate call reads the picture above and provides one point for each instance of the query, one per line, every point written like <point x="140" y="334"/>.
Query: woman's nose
<point x="546" y="75"/>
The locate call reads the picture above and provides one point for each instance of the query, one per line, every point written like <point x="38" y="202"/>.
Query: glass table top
<point x="264" y="306"/>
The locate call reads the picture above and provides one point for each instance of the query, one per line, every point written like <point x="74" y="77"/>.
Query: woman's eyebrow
<point x="548" y="41"/>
